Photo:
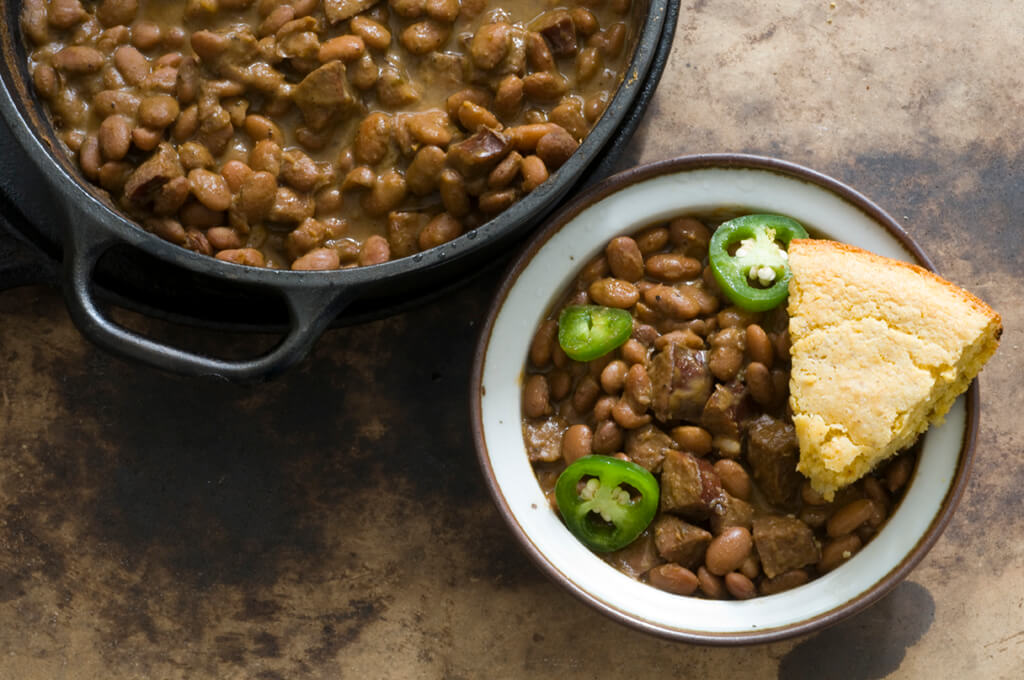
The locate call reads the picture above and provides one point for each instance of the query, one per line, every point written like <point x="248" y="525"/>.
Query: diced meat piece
<point x="300" y="44"/>
<point x="340" y="10"/>
<point x="146" y="181"/>
<point x="735" y="513"/>
<point x="443" y="70"/>
<point x="543" y="438"/>
<point x="290" y="207"/>
<point x="680" y="542"/>
<point x="227" y="50"/>
<point x="325" y="95"/>
<point x="773" y="454"/>
<point x="647" y="445"/>
<point x="681" y="382"/>
<point x="725" y="409"/>
<point x="690" y="487"/>
<point x="637" y="558"/>
<point x="515" y="58"/>
<point x="559" y="30"/>
<point x="479" y="153"/>
<point x="784" y="543"/>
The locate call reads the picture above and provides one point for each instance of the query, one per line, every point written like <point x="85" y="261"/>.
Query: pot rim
<point x="614" y="184"/>
<point x="90" y="206"/>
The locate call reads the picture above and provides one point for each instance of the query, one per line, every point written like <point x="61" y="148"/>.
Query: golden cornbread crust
<point x="880" y="350"/>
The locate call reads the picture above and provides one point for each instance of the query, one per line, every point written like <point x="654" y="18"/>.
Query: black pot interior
<point x="151" y="276"/>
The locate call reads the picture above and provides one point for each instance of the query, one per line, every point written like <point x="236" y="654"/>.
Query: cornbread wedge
<point x="880" y="350"/>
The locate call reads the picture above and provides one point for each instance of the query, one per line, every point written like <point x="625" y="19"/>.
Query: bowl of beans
<point x="631" y="412"/>
<point x="324" y="150"/>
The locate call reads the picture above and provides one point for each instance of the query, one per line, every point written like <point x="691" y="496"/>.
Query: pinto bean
<point x="711" y="585"/>
<point x="759" y="345"/>
<point x="727" y="551"/>
<point x="607" y="438"/>
<point x="508" y="98"/>
<point x="319" y="259"/>
<point x="158" y="111"/>
<point x="689" y="236"/>
<point x="588" y="64"/>
<point x="375" y="250"/>
<point x="210" y="189"/>
<point x="613" y="376"/>
<point x="344" y="47"/>
<point x="373" y="139"/>
<point x="424" y="36"/>
<point x="673" y="578"/>
<point x="692" y="439"/>
<point x="851" y="516"/>
<point x="614" y="293"/>
<point x="759" y="381"/>
<point x="473" y="117"/>
<point x="837" y="551"/>
<point x="898" y="473"/>
<point x="373" y="33"/>
<point x="628" y="415"/>
<point x="224" y="238"/>
<point x="115" y="137"/>
<point x="495" y="201"/>
<point x="576" y="443"/>
<point x="452" y="187"/>
<point x="625" y="258"/>
<point x="440" y="229"/>
<point x="538" y="53"/>
<point x="673" y="267"/>
<point x="132" y="64"/>
<point x="146" y="139"/>
<point x="534" y="172"/>
<point x="671" y="302"/>
<point x="245" y="256"/>
<point x="166" y="228"/>
<point x="490" y="44"/>
<point x="266" y="157"/>
<point x="739" y="586"/>
<point x="145" y="35"/>
<point x="586" y="394"/>
<point x="543" y="86"/>
<point x="536" y="396"/>
<point x="77" y="59"/>
<point x="726" y="356"/>
<point x="734" y="478"/>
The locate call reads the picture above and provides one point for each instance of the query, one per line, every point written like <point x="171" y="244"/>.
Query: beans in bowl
<point x="655" y="415"/>
<point x="322" y="135"/>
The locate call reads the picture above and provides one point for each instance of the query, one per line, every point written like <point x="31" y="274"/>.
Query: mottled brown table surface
<point x="333" y="523"/>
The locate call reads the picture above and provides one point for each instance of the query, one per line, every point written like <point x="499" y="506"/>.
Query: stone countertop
<point x="333" y="523"/>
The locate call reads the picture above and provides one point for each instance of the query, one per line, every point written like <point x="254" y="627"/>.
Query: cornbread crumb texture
<point x="880" y="349"/>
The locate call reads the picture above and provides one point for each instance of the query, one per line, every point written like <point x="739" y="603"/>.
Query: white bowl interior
<point x="541" y="283"/>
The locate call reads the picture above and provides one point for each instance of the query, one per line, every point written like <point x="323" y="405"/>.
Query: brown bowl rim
<point x="675" y="165"/>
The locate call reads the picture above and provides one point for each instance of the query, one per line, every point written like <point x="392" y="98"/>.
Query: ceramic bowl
<point x="714" y="185"/>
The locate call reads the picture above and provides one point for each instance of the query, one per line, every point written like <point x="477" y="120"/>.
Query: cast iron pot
<point x="90" y="226"/>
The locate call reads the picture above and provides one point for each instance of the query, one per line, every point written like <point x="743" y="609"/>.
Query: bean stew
<point x="693" y="399"/>
<point x="322" y="135"/>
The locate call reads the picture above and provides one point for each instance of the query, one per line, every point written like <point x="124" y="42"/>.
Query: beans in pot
<point x="445" y="113"/>
<point x="696" y="395"/>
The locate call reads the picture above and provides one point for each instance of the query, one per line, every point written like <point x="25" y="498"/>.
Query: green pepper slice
<point x="587" y="332"/>
<point x="758" y="258"/>
<point x="602" y="513"/>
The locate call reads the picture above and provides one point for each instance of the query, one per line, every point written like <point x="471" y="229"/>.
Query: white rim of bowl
<point x="623" y="204"/>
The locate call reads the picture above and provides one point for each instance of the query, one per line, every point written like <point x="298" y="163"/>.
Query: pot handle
<point x="309" y="312"/>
